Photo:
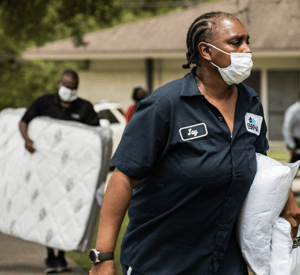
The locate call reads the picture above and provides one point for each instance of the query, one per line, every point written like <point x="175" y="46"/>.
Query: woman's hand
<point x="104" y="268"/>
<point x="291" y="213"/>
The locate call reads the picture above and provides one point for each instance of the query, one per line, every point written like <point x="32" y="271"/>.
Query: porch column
<point x="264" y="95"/>
<point x="149" y="63"/>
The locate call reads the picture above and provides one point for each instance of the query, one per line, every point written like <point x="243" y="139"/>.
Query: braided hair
<point x="202" y="29"/>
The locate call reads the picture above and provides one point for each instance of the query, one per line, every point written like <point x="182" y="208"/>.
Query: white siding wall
<point x="112" y="80"/>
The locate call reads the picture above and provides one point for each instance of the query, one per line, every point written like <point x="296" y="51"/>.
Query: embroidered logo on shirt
<point x="253" y="123"/>
<point x="75" y="116"/>
<point x="193" y="131"/>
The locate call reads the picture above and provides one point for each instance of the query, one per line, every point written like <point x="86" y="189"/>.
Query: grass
<point x="82" y="258"/>
<point x="279" y="155"/>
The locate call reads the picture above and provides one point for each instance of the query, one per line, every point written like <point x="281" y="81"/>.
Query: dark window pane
<point x="107" y="114"/>
<point x="253" y="81"/>
<point x="283" y="87"/>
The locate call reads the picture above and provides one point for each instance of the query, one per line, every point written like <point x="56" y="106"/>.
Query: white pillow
<point x="263" y="205"/>
<point x="285" y="254"/>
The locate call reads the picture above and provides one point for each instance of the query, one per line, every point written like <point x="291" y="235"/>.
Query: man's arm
<point x="23" y="126"/>
<point x="287" y="130"/>
<point x="291" y="213"/>
<point x="115" y="204"/>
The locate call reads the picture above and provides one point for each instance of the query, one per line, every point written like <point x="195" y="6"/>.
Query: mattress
<point x="53" y="196"/>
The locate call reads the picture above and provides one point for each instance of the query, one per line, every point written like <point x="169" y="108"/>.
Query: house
<point x="151" y="52"/>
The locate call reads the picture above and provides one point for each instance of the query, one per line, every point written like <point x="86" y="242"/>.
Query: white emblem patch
<point x="193" y="131"/>
<point x="253" y="123"/>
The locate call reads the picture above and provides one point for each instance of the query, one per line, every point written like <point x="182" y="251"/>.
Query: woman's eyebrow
<point x="237" y="36"/>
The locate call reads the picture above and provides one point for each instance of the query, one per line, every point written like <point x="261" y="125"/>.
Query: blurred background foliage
<point x="33" y="23"/>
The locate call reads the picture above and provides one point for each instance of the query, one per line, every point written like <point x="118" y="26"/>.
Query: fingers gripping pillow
<point x="263" y="205"/>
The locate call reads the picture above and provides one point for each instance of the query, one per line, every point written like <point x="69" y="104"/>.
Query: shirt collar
<point x="190" y="88"/>
<point x="189" y="85"/>
<point x="56" y="101"/>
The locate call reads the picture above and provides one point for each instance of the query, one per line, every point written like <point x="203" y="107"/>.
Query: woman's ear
<point x="204" y="51"/>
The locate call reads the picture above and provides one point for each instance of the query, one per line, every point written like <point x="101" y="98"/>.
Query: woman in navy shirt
<point x="186" y="162"/>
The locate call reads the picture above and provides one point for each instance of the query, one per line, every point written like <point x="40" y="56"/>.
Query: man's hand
<point x="104" y="268"/>
<point x="29" y="145"/>
<point x="291" y="213"/>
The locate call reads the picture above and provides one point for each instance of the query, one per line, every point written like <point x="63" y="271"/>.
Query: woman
<point x="137" y="95"/>
<point x="189" y="155"/>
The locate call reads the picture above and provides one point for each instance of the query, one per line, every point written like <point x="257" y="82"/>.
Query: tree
<point x="39" y="21"/>
<point x="32" y="23"/>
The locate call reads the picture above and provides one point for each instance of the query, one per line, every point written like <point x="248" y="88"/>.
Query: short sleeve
<point x="143" y="142"/>
<point x="262" y="144"/>
<point x="32" y="111"/>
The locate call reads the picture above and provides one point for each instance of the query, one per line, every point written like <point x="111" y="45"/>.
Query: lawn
<point x="82" y="258"/>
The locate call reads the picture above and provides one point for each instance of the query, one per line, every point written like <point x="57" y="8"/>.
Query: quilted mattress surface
<point x="48" y="197"/>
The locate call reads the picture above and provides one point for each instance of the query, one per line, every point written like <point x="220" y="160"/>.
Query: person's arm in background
<point x="115" y="204"/>
<point x="23" y="126"/>
<point x="287" y="131"/>
<point x="291" y="211"/>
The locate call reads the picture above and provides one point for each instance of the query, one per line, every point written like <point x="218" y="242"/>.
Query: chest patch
<point x="75" y="116"/>
<point x="253" y="123"/>
<point x="193" y="131"/>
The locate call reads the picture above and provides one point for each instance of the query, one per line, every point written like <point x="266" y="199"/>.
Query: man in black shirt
<point x="63" y="105"/>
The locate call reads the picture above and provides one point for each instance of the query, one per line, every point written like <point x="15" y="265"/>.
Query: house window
<point x="283" y="88"/>
<point x="254" y="81"/>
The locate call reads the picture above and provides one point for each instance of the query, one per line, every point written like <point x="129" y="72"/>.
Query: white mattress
<point x="48" y="197"/>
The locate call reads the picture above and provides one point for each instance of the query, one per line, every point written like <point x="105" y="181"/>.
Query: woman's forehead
<point x="226" y="28"/>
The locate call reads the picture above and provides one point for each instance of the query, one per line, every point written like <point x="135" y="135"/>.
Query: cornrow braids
<point x="201" y="29"/>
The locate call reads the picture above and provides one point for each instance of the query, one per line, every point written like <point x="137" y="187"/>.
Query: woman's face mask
<point x="66" y="94"/>
<point x="239" y="70"/>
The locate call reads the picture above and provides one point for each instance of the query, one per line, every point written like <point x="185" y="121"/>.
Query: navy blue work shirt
<point x="80" y="110"/>
<point x="194" y="180"/>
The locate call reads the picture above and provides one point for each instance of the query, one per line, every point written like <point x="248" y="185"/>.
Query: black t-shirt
<point x="49" y="105"/>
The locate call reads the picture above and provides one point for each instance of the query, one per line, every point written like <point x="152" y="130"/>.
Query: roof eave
<point x="145" y="55"/>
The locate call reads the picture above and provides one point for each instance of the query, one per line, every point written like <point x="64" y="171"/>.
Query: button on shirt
<point x="194" y="179"/>
<point x="49" y="105"/>
<point x="291" y="125"/>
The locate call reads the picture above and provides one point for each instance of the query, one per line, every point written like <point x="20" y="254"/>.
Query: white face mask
<point x="239" y="70"/>
<point x="66" y="94"/>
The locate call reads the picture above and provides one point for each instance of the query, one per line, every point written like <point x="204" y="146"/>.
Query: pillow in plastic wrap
<point x="263" y="205"/>
<point x="285" y="254"/>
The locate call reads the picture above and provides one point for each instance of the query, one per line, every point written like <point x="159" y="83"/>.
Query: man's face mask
<point x="240" y="68"/>
<point x="66" y="94"/>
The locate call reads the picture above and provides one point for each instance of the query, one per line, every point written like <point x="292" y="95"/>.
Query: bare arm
<point x="116" y="202"/>
<point x="291" y="213"/>
<point x="23" y="126"/>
